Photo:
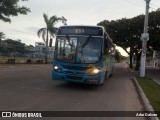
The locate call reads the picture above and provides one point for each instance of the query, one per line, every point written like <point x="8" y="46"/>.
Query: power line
<point x="135" y="3"/>
<point x="152" y="8"/>
<point x="155" y="2"/>
<point x="154" y="5"/>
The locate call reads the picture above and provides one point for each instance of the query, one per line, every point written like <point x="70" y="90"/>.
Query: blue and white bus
<point x="83" y="54"/>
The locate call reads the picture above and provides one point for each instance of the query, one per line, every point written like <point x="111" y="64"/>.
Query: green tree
<point x="49" y="31"/>
<point x="2" y="36"/>
<point x="154" y="30"/>
<point x="14" y="45"/>
<point x="117" y="55"/>
<point x="126" y="33"/>
<point x="121" y="33"/>
<point x="11" y="8"/>
<point x="14" y="42"/>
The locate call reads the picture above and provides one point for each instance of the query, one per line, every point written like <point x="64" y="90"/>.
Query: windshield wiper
<point x="86" y="41"/>
<point x="68" y="39"/>
<point x="82" y="47"/>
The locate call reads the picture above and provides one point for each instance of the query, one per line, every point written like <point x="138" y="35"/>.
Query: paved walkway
<point x="153" y="73"/>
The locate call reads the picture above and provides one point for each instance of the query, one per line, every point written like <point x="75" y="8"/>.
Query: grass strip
<point x="151" y="90"/>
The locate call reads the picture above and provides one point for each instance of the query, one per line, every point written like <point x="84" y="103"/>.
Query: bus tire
<point x="111" y="73"/>
<point x="101" y="84"/>
<point x="106" y="76"/>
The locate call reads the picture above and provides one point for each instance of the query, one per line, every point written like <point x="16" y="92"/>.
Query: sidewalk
<point x="153" y="73"/>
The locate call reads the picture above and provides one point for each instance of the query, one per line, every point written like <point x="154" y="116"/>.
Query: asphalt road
<point x="30" y="88"/>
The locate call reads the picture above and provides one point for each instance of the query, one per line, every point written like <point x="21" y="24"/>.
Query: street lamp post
<point x="144" y="38"/>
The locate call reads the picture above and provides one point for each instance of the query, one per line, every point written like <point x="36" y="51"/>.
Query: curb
<point x="144" y="99"/>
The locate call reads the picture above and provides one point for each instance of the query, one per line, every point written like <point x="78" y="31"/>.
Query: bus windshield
<point x="78" y="49"/>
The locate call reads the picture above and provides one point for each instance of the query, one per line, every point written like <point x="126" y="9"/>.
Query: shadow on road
<point x="77" y="86"/>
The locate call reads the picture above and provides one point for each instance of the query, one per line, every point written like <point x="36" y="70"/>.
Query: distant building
<point x="40" y="51"/>
<point x="51" y="53"/>
<point x="30" y="50"/>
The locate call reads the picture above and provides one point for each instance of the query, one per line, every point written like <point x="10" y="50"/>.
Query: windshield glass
<point x="78" y="49"/>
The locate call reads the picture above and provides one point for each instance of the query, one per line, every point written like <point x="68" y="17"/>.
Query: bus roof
<point x="81" y="30"/>
<point x="82" y="26"/>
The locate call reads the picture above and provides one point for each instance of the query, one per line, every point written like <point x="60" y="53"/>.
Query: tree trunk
<point x="130" y="63"/>
<point x="131" y="57"/>
<point x="46" y="56"/>
<point x="138" y="57"/>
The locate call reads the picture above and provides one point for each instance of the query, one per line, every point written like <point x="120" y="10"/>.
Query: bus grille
<point x="73" y="72"/>
<point x="75" y="67"/>
<point x="74" y="77"/>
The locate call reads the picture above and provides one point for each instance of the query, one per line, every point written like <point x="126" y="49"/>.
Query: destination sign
<point x="80" y="30"/>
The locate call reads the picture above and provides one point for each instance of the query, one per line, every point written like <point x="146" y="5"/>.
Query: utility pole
<point x="144" y="38"/>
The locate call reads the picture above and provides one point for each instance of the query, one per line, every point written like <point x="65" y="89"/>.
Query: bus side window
<point x="105" y="44"/>
<point x="109" y="47"/>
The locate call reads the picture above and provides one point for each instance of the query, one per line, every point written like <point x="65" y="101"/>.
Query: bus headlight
<point x="93" y="71"/>
<point x="96" y="71"/>
<point x="56" y="68"/>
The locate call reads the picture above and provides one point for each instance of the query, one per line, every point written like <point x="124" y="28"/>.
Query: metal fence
<point x="20" y="54"/>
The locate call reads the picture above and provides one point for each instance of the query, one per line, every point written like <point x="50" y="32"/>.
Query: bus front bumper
<point x="77" y="78"/>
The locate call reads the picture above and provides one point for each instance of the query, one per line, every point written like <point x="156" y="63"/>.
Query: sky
<point x="77" y="12"/>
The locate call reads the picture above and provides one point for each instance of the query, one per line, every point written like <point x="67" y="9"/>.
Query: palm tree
<point x="2" y="36"/>
<point x="49" y="30"/>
